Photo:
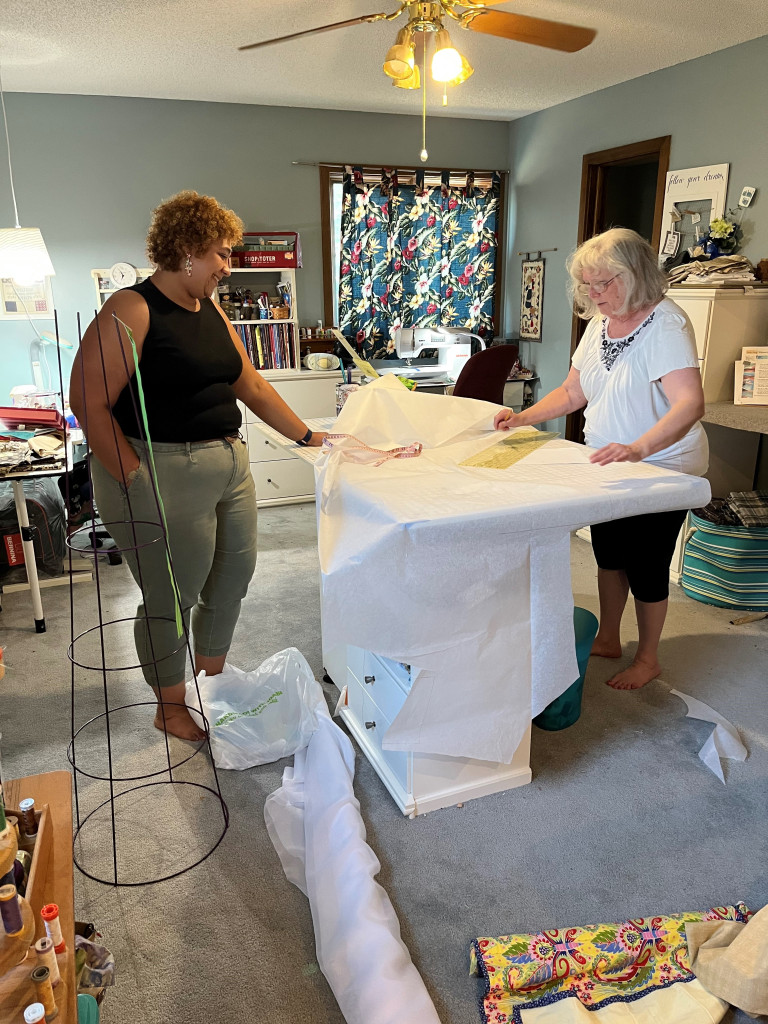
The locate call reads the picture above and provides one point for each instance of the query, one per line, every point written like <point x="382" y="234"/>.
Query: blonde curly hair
<point x="189" y="222"/>
<point x="623" y="253"/>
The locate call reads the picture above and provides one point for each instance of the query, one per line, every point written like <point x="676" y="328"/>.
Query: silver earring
<point x="188" y="265"/>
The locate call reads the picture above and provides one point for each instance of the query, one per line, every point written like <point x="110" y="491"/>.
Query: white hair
<point x="622" y="253"/>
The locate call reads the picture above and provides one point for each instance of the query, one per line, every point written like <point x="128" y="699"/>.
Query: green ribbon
<point x="153" y="470"/>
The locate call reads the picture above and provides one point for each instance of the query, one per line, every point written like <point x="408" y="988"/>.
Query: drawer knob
<point x="370" y="725"/>
<point x="370" y="679"/>
<point x="269" y="479"/>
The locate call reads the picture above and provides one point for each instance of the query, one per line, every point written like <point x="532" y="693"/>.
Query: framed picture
<point x="531" y="299"/>
<point x="693" y="198"/>
<point x="17" y="301"/>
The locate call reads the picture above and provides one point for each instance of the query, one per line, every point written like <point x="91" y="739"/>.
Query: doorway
<point x="620" y="187"/>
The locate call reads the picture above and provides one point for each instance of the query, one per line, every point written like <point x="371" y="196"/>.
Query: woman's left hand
<point x="318" y="436"/>
<point x="616" y="453"/>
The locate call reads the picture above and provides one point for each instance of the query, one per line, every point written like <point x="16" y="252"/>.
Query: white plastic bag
<point x="261" y="716"/>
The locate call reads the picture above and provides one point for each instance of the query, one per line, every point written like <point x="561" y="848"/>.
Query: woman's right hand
<point x="131" y="474"/>
<point x="506" y="419"/>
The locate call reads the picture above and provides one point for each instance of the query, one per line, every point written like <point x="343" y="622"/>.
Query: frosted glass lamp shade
<point x="446" y="62"/>
<point x="398" y="63"/>
<point x="464" y="74"/>
<point x="23" y="255"/>
<point x="413" y="81"/>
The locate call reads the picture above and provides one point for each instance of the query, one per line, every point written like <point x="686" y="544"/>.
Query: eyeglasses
<point x="598" y="287"/>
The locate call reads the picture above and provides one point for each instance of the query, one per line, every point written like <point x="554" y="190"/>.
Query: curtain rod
<point x="404" y="170"/>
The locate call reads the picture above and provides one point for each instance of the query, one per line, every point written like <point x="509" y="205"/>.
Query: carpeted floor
<point x="621" y="818"/>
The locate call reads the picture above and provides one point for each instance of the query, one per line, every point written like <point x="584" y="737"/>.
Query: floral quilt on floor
<point x="598" y="964"/>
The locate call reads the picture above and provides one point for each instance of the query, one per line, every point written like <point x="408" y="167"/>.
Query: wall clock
<point x="123" y="275"/>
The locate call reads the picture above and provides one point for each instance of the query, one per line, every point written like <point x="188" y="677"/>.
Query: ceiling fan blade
<point x="552" y="34"/>
<point x="314" y="31"/>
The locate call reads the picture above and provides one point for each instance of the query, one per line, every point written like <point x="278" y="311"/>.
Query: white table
<point x="419" y="555"/>
<point x="27" y="541"/>
<point x="463" y="574"/>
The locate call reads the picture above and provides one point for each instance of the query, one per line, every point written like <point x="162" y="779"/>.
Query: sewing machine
<point x="454" y="345"/>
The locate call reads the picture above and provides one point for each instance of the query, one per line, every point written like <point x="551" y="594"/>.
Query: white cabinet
<point x="281" y="477"/>
<point x="376" y="689"/>
<point x="724" y="320"/>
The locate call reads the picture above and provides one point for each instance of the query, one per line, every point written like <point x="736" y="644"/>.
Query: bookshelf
<point x="271" y="344"/>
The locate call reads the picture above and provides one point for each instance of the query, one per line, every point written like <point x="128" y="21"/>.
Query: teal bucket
<point x="566" y="709"/>
<point x="87" y="1009"/>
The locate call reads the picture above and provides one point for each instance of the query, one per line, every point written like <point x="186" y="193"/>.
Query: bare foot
<point x="604" y="648"/>
<point x="178" y="722"/>
<point x="638" y="674"/>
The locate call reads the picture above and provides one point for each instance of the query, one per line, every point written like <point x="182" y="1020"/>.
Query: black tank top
<point x="188" y="365"/>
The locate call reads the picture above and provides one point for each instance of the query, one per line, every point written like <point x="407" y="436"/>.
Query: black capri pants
<point x="641" y="546"/>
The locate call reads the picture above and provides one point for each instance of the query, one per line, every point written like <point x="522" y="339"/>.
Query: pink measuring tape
<point x="410" y="451"/>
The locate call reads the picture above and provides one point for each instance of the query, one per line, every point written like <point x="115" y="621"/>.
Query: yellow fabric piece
<point x="596" y="967"/>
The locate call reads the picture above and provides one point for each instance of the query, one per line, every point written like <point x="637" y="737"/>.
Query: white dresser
<point x="373" y="691"/>
<point x="724" y="320"/>
<point x="281" y="477"/>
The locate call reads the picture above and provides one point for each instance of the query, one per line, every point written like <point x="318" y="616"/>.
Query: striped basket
<point x="726" y="565"/>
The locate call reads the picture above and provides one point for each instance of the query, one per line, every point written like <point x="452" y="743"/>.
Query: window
<point x="419" y="248"/>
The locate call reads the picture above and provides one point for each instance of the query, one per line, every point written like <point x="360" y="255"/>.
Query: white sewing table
<point x="446" y="595"/>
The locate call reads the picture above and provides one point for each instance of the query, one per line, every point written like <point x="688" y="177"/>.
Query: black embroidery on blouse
<point x="610" y="348"/>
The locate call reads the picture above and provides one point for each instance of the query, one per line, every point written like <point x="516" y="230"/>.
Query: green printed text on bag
<point x="233" y="716"/>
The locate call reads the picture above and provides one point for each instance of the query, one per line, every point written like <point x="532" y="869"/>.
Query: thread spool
<point x="10" y="908"/>
<point x="41" y="977"/>
<point x="28" y="819"/>
<point x="46" y="957"/>
<point x="25" y="859"/>
<point x="34" y="1013"/>
<point x="50" y="914"/>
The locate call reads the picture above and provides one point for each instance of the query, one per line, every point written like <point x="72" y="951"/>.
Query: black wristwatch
<point x="304" y="441"/>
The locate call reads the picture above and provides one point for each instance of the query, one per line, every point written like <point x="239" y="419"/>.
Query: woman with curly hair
<point x="193" y="370"/>
<point x="637" y="372"/>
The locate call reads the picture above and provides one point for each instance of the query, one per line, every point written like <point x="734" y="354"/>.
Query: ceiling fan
<point x="448" y="65"/>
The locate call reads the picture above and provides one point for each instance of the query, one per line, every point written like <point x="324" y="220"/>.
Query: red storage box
<point x="278" y="249"/>
<point x="18" y="417"/>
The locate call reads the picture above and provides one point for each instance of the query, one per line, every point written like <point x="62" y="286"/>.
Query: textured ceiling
<point x="187" y="50"/>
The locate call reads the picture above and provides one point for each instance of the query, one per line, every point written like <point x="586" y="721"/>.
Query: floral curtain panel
<point x="415" y="256"/>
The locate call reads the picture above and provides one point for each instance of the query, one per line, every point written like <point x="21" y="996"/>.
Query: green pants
<point x="210" y="509"/>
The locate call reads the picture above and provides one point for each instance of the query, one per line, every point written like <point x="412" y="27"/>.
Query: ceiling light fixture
<point x="464" y="74"/>
<point x="23" y="255"/>
<point x="446" y="61"/>
<point x="398" y="63"/>
<point x="413" y="81"/>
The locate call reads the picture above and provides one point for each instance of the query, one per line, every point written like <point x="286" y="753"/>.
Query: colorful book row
<point x="269" y="346"/>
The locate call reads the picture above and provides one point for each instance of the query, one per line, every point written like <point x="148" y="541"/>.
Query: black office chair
<point x="485" y="373"/>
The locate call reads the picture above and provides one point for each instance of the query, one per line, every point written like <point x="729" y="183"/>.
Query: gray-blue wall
<point x="715" y="110"/>
<point x="88" y="170"/>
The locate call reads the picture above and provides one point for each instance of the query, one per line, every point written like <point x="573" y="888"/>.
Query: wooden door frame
<point x="592" y="183"/>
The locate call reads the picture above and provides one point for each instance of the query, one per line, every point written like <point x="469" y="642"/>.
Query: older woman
<point x="636" y="371"/>
<point x="193" y="371"/>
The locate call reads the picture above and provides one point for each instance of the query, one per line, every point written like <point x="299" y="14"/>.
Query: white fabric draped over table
<point x="464" y="572"/>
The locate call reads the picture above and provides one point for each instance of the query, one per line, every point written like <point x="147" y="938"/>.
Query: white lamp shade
<point x="446" y="62"/>
<point x="23" y="255"/>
